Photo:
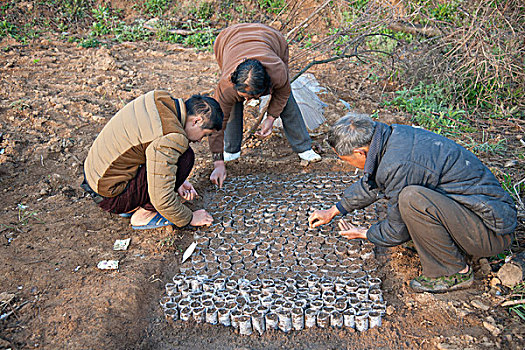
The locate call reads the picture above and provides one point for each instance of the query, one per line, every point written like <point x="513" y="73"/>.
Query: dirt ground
<point x="54" y="99"/>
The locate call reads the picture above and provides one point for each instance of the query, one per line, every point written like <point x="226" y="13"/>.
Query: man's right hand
<point x="321" y="217"/>
<point x="219" y="173"/>
<point x="201" y="218"/>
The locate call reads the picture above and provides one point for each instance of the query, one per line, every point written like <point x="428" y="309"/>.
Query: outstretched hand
<point x="187" y="191"/>
<point x="266" y="127"/>
<point x="219" y="173"/>
<point x="321" y="217"/>
<point x="201" y="218"/>
<point x="351" y="231"/>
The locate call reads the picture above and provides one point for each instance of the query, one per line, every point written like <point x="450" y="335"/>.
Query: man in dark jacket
<point x="440" y="195"/>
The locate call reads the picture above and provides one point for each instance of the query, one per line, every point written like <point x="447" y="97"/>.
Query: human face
<point x="247" y="96"/>
<point x="357" y="158"/>
<point x="200" y="134"/>
<point x="194" y="130"/>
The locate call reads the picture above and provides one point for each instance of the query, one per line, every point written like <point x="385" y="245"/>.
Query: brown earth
<point x="54" y="99"/>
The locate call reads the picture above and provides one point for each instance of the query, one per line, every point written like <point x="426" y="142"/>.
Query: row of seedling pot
<point x="260" y="305"/>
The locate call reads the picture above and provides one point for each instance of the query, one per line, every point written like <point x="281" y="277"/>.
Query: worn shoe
<point x="310" y="156"/>
<point x="156" y="222"/>
<point x="228" y="157"/>
<point x="443" y="284"/>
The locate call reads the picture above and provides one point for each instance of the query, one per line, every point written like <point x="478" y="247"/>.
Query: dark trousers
<point x="293" y="125"/>
<point x="444" y="231"/>
<point x="136" y="193"/>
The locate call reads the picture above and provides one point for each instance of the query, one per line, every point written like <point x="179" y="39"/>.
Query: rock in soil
<point x="480" y="305"/>
<point x="511" y="274"/>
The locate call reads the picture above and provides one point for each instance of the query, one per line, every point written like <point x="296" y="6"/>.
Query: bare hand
<point x="351" y="231"/>
<point x="321" y="217"/>
<point x="219" y="173"/>
<point x="201" y="218"/>
<point x="266" y="127"/>
<point x="187" y="191"/>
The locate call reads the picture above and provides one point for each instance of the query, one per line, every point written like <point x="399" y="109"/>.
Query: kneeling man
<point x="139" y="163"/>
<point x="440" y="196"/>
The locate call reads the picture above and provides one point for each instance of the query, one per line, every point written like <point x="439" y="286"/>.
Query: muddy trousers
<point x="293" y="125"/>
<point x="444" y="231"/>
<point x="136" y="193"/>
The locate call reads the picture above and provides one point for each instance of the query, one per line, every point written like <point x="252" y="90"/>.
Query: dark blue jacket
<point x="402" y="155"/>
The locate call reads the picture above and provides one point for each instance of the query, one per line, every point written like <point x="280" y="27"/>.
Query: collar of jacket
<point x="375" y="152"/>
<point x="181" y="117"/>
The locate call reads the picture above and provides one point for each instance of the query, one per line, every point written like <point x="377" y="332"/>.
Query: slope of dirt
<point x="54" y="99"/>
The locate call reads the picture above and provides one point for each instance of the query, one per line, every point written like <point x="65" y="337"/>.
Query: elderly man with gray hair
<point x="439" y="194"/>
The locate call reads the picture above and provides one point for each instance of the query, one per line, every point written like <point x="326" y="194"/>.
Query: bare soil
<point x="54" y="99"/>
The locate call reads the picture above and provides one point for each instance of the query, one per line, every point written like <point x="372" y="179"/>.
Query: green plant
<point x="22" y="33"/>
<point x="163" y="33"/>
<point x="428" y="106"/>
<point x="5" y="6"/>
<point x="135" y="32"/>
<point x="225" y="16"/>
<point x="431" y="11"/>
<point x="20" y="104"/>
<point x="446" y="11"/>
<point x="204" y="10"/>
<point x="169" y="242"/>
<point x="24" y="216"/>
<point x="489" y="93"/>
<point x="239" y="8"/>
<point x="272" y="6"/>
<point x="75" y="9"/>
<point x="518" y="300"/>
<point x="340" y="41"/>
<point x="104" y="21"/>
<point x="516" y="190"/>
<point x="486" y="145"/>
<point x="7" y="28"/>
<point x="89" y="42"/>
<point x="155" y="7"/>
<point x="202" y="40"/>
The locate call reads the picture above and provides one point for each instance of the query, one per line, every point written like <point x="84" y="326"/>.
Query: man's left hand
<point x="187" y="191"/>
<point x="350" y="231"/>
<point x="266" y="127"/>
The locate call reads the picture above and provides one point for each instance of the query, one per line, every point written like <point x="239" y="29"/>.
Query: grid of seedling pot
<point x="260" y="267"/>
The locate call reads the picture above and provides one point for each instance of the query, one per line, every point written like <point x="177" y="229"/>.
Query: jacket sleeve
<point x="389" y="232"/>
<point x="358" y="196"/>
<point x="392" y="231"/>
<point x="281" y="91"/>
<point x="227" y="98"/>
<point x="161" y="166"/>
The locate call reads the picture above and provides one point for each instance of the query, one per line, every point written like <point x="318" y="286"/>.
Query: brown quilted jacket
<point x="147" y="131"/>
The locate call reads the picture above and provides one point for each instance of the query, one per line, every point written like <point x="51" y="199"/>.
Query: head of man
<point x="350" y="137"/>
<point x="204" y="116"/>
<point x="250" y="79"/>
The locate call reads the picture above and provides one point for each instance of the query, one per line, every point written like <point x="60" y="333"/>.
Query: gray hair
<point x="350" y="132"/>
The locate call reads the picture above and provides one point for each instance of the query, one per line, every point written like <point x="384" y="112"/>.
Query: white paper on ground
<point x="108" y="265"/>
<point x="189" y="251"/>
<point x="121" y="244"/>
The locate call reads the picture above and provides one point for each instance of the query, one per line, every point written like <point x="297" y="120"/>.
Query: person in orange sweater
<point x="253" y="59"/>
<point x="139" y="163"/>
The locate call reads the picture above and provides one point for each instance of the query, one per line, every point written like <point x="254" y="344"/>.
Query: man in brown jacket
<point x="253" y="59"/>
<point x="140" y="160"/>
